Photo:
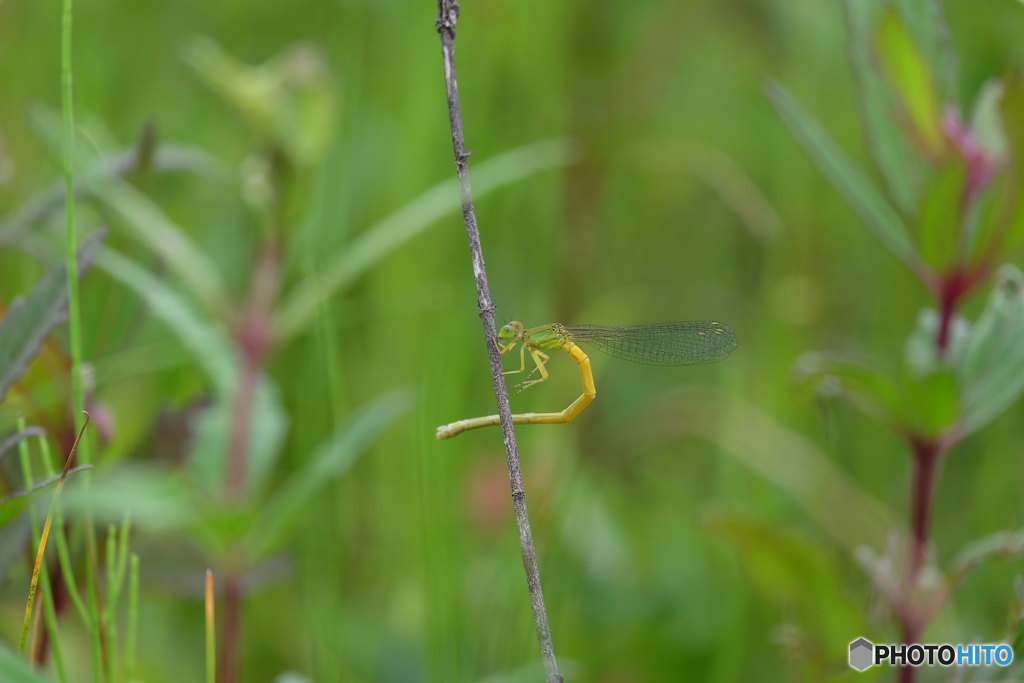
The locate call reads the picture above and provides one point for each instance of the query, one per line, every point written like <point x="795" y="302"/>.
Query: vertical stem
<point x="951" y="288"/>
<point x="241" y="418"/>
<point x="75" y="330"/>
<point x="447" y="19"/>
<point x="946" y="306"/>
<point x="253" y="339"/>
<point x="922" y="489"/>
<point x="926" y="455"/>
<point x="133" y="616"/>
<point x="211" y="649"/>
<point x="228" y="654"/>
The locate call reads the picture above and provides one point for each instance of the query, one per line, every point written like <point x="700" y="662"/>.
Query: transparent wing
<point x="681" y="343"/>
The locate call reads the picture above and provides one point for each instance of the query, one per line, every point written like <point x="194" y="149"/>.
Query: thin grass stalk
<point x="52" y="627"/>
<point x="109" y="611"/>
<point x="211" y="640"/>
<point x="447" y="19"/>
<point x="44" y="535"/>
<point x="75" y="321"/>
<point x="133" y="616"/>
<point x="29" y="480"/>
<point x="63" y="553"/>
<point x="49" y="606"/>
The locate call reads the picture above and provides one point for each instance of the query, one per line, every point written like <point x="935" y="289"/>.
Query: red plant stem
<point x="906" y="674"/>
<point x="254" y="340"/>
<point x="946" y="307"/>
<point x="227" y="658"/>
<point x="926" y="457"/>
<point x="241" y="418"/>
<point x="951" y="288"/>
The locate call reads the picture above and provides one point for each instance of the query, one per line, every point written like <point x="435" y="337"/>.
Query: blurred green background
<point x="690" y="524"/>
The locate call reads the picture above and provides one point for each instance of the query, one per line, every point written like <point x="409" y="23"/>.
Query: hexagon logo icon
<point x="861" y="651"/>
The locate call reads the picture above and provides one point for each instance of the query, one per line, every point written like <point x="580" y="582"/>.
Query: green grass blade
<point x="379" y="240"/>
<point x="133" y="617"/>
<point x="851" y="182"/>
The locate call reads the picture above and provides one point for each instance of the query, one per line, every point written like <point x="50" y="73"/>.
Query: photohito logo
<point x="865" y="654"/>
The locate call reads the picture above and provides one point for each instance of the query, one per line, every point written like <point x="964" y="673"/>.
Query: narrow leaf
<point x="11" y="441"/>
<point x="939" y="221"/>
<point x="934" y="401"/>
<point x="1011" y="109"/>
<point x="886" y="145"/>
<point x="328" y="461"/>
<point x="28" y="322"/>
<point x="926" y="22"/>
<point x="851" y="182"/>
<point x="206" y="340"/>
<point x="992" y="369"/>
<point x="912" y="83"/>
<point x="12" y="505"/>
<point x="794" y="464"/>
<point x="1003" y="544"/>
<point x="167" y="158"/>
<point x="385" y="236"/>
<point x="869" y="388"/>
<point x="14" y="670"/>
<point x="145" y="220"/>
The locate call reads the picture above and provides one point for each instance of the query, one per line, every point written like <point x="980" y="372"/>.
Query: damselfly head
<point x="511" y="331"/>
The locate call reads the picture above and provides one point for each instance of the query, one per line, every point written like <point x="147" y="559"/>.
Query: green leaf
<point x="121" y="163"/>
<point x="207" y="341"/>
<point x="14" y="670"/>
<point x="145" y="220"/>
<point x="1003" y="544"/>
<point x="149" y="224"/>
<point x="382" y="238"/>
<point x="328" y="461"/>
<point x="212" y="350"/>
<point x="938" y="227"/>
<point x="886" y="144"/>
<point x="912" y="82"/>
<point x="793" y="463"/>
<point x="851" y="182"/>
<point x="1011" y="109"/>
<point x="992" y="369"/>
<point x="934" y="401"/>
<point x="868" y="388"/>
<point x="291" y="677"/>
<point x="987" y="119"/>
<point x="921" y="356"/>
<point x="797" y="574"/>
<point x="989" y="220"/>
<point x="28" y="322"/>
<point x="12" y="505"/>
<point x="13" y="440"/>
<point x="925" y="21"/>
<point x="288" y="102"/>
<point x="157" y="498"/>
